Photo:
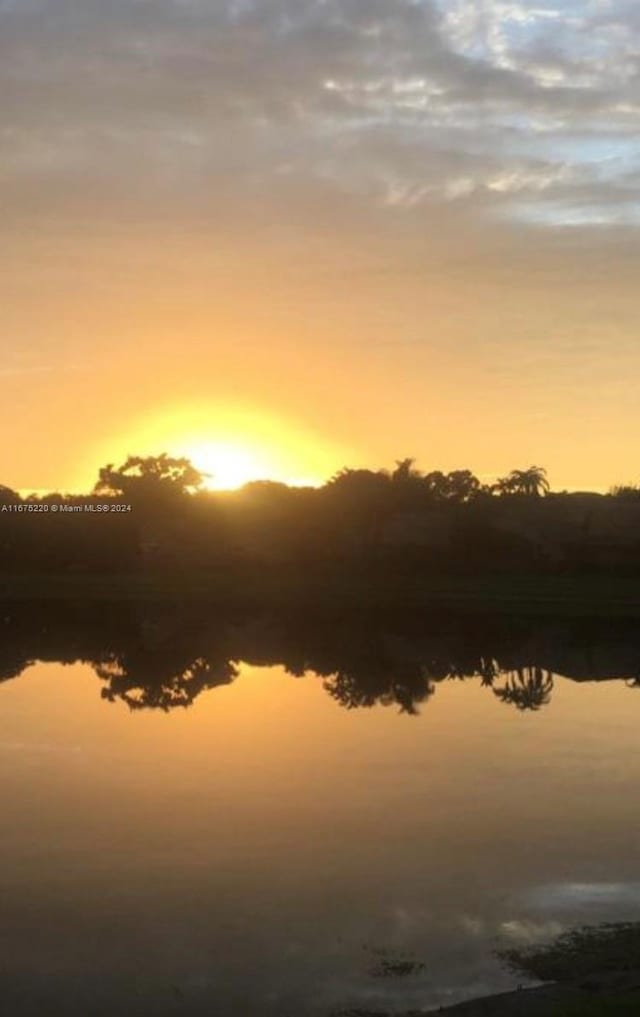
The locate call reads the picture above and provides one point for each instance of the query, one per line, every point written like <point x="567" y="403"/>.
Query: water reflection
<point x="143" y="681"/>
<point x="527" y="688"/>
<point x="280" y="850"/>
<point x="165" y="656"/>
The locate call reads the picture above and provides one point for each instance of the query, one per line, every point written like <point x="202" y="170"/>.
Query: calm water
<point x="268" y="851"/>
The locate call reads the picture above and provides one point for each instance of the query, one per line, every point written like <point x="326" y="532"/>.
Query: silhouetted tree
<point x="8" y="496"/>
<point x="148" y="474"/>
<point x="359" y="482"/>
<point x="457" y="486"/>
<point x="404" y="472"/>
<point x="355" y="504"/>
<point x="462" y="485"/>
<point x="436" y="484"/>
<point x="626" y="492"/>
<point x="532" y="482"/>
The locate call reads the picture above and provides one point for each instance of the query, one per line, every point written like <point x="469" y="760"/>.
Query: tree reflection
<point x="526" y="688"/>
<point x="376" y="685"/>
<point x="164" y="656"/>
<point x="146" y="683"/>
<point x="488" y="671"/>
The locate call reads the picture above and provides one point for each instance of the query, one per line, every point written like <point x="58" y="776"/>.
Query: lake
<point x="302" y="816"/>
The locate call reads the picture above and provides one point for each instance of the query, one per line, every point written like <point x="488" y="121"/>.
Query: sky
<point x="303" y="234"/>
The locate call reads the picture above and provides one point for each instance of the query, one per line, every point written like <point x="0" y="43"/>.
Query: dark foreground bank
<point x="605" y="596"/>
<point x="586" y="972"/>
<point x="603" y="995"/>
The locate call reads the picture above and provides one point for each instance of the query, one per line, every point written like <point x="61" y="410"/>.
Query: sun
<point x="227" y="465"/>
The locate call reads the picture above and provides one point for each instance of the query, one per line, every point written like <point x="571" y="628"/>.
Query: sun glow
<point x="231" y="445"/>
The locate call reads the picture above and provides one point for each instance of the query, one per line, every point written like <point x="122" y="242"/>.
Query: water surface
<point x="268" y="851"/>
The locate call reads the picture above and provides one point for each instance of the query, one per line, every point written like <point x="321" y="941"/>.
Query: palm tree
<point x="626" y="492"/>
<point x="404" y="471"/>
<point x="531" y="482"/>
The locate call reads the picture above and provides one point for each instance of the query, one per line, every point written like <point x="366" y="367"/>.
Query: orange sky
<point x="389" y="230"/>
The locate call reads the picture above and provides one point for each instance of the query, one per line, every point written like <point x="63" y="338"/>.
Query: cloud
<point x="515" y="111"/>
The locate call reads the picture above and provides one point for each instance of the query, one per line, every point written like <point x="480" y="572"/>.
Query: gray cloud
<point x="504" y="109"/>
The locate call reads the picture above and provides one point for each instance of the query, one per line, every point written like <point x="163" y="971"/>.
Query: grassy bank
<point x="588" y="972"/>
<point x="573" y="1000"/>
<point x="565" y="596"/>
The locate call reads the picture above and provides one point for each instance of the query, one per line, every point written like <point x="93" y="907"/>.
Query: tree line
<point x="154" y="512"/>
<point x="164" y="475"/>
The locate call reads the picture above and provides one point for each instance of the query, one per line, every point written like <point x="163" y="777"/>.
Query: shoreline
<point x="599" y="993"/>
<point x="604" y="596"/>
